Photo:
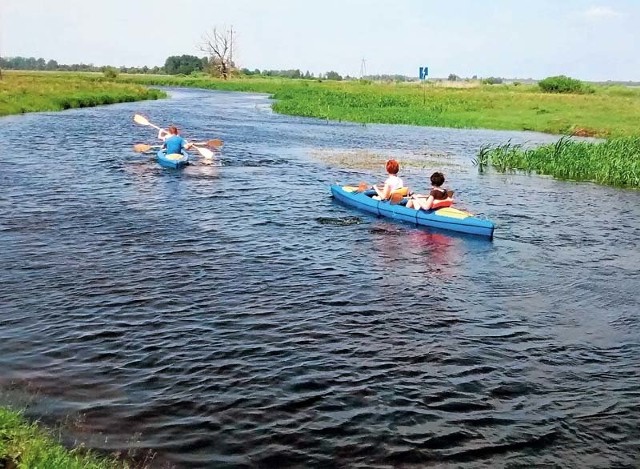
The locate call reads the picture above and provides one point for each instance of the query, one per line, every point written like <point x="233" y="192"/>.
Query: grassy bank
<point x="22" y="92"/>
<point x="25" y="445"/>
<point x="613" y="162"/>
<point x="607" y="112"/>
<point x="610" y="111"/>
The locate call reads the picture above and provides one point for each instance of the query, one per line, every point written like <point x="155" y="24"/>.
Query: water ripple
<point x="233" y="315"/>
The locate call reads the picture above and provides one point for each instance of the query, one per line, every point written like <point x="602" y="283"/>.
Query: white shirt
<point x="394" y="182"/>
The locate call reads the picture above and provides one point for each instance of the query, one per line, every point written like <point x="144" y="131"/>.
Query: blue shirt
<point x="175" y="144"/>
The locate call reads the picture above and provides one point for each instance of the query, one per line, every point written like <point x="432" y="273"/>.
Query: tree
<point x="333" y="75"/>
<point x="183" y="64"/>
<point x="453" y="77"/>
<point x="218" y="45"/>
<point x="110" y="72"/>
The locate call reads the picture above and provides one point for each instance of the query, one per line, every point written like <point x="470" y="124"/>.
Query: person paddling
<point x="392" y="183"/>
<point x="173" y="142"/>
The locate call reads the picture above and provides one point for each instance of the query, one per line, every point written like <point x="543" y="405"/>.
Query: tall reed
<point x="613" y="162"/>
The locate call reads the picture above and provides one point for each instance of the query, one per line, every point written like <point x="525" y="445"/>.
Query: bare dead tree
<point x="218" y="45"/>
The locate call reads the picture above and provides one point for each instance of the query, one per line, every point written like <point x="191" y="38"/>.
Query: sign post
<point x="424" y="72"/>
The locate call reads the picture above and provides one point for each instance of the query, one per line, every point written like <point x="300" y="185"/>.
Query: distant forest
<point x="192" y="65"/>
<point x="178" y="65"/>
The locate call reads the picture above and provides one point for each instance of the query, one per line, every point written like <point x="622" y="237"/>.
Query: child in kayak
<point x="437" y="196"/>
<point x="392" y="183"/>
<point x="173" y="142"/>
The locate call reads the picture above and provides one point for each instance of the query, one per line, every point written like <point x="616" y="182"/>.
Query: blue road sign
<point x="424" y="71"/>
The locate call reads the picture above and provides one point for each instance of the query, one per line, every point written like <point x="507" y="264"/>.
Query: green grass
<point x="25" y="445"/>
<point x="613" y="162"/>
<point x="22" y="92"/>
<point x="607" y="112"/>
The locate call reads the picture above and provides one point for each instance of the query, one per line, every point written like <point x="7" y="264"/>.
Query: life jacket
<point x="446" y="201"/>
<point x="442" y="203"/>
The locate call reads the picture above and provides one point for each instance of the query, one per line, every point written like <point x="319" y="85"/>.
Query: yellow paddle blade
<point x="363" y="186"/>
<point x="396" y="198"/>
<point x="141" y="147"/>
<point x="140" y="120"/>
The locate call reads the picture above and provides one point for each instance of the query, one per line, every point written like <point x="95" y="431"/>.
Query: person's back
<point x="392" y="183"/>
<point x="174" y="144"/>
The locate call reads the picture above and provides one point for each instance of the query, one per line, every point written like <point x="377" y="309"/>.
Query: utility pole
<point x="363" y="68"/>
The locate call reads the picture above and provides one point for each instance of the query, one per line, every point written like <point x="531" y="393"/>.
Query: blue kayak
<point x="174" y="161"/>
<point x="448" y="218"/>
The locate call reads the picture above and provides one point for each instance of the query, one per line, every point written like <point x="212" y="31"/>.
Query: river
<point x="234" y="315"/>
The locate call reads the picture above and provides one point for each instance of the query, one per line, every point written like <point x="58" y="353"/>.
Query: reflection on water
<point x="233" y="315"/>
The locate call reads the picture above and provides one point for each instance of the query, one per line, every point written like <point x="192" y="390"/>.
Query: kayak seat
<point x="403" y="191"/>
<point x="175" y="156"/>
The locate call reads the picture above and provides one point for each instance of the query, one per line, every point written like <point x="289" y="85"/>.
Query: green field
<point x="610" y="111"/>
<point x="22" y="92"/>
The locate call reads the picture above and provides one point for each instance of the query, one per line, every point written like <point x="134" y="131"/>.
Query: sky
<point x="589" y="40"/>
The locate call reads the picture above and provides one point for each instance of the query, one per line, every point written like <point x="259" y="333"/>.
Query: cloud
<point x="597" y="13"/>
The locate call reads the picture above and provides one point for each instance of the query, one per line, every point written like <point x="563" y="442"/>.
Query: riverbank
<point x="22" y="92"/>
<point x="610" y="111"/>
<point x="27" y="445"/>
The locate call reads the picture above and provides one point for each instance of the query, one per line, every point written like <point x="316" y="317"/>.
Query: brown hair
<point x="437" y="179"/>
<point x="173" y="130"/>
<point x="392" y="167"/>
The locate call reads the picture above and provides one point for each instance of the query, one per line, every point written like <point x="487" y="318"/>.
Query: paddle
<point x="396" y="198"/>
<point x="143" y="121"/>
<point x="215" y="143"/>
<point x="208" y="154"/>
<point x="363" y="186"/>
<point x="143" y="147"/>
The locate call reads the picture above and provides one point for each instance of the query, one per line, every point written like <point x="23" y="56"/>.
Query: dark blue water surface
<point x="234" y="315"/>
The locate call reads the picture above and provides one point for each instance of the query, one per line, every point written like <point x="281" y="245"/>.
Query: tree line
<point x="173" y="65"/>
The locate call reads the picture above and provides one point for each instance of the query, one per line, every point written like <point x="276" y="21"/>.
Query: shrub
<point x="110" y="72"/>
<point x="563" y="84"/>
<point x="492" y="81"/>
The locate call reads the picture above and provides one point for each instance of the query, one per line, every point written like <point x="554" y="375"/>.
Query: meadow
<point x="609" y="111"/>
<point x="22" y="92"/>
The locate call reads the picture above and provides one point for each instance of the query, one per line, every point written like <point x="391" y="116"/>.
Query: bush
<point x="492" y="81"/>
<point x="563" y="84"/>
<point x="110" y="72"/>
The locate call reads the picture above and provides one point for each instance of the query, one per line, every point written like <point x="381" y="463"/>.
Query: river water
<point x="234" y="315"/>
